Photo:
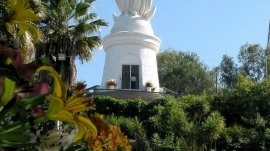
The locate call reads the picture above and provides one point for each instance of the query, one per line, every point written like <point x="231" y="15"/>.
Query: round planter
<point x="111" y="87"/>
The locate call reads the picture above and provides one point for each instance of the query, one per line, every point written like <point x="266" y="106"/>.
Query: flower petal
<point x="56" y="104"/>
<point x="36" y="89"/>
<point x="88" y="124"/>
<point x="62" y="115"/>
<point x="80" y="133"/>
<point x="59" y="88"/>
<point x="8" y="91"/>
<point x="77" y="104"/>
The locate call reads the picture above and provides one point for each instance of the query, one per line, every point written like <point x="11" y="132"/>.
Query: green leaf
<point x="28" y="103"/>
<point x="17" y="127"/>
<point x="15" y="137"/>
<point x="8" y="91"/>
<point x="6" y="143"/>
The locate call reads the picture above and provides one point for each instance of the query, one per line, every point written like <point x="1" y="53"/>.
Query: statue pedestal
<point x="131" y="47"/>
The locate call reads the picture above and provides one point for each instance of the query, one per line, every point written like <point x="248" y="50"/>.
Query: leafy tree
<point x="246" y="112"/>
<point x="267" y="62"/>
<point x="72" y="29"/>
<point x="212" y="128"/>
<point x="214" y="73"/>
<point x="228" y="72"/>
<point x="252" y="59"/>
<point x="183" y="72"/>
<point x="196" y="107"/>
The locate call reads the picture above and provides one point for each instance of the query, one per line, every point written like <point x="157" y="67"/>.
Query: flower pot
<point x="111" y="87"/>
<point x="148" y="89"/>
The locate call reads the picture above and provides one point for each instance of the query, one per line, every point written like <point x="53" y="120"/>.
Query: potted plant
<point x="111" y="84"/>
<point x="149" y="86"/>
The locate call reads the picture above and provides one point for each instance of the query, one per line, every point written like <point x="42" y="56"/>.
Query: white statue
<point x="136" y="7"/>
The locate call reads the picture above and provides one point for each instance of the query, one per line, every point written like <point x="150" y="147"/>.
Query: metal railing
<point x="163" y="90"/>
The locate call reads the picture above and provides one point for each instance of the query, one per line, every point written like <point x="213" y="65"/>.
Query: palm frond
<point x="38" y="9"/>
<point x="90" y="2"/>
<point x="96" y="24"/>
<point x="81" y="9"/>
<point x="83" y="51"/>
<point x="93" y="42"/>
<point x="89" y="28"/>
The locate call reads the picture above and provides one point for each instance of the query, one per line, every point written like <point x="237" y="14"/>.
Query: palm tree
<point x="70" y="29"/>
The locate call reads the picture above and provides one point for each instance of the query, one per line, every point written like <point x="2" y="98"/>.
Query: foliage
<point x="232" y="119"/>
<point x="183" y="72"/>
<point x="69" y="28"/>
<point x="182" y="122"/>
<point x="166" y="144"/>
<point x="239" y="137"/>
<point x="246" y="110"/>
<point x="228" y="71"/>
<point x="196" y="107"/>
<point x="133" y="128"/>
<point x="25" y="110"/>
<point x="128" y="108"/>
<point x="38" y="115"/>
<point x="252" y="59"/>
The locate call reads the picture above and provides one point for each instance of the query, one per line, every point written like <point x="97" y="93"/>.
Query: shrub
<point x="109" y="105"/>
<point x="133" y="128"/>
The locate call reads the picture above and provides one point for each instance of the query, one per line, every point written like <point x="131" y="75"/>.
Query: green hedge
<point x="110" y="106"/>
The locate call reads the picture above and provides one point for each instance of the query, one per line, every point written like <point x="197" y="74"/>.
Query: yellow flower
<point x="65" y="111"/>
<point x="59" y="87"/>
<point x="76" y="103"/>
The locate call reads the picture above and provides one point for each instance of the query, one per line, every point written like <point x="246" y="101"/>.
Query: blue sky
<point x="209" y="28"/>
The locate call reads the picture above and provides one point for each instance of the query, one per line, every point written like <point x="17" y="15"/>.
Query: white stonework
<point x="131" y="42"/>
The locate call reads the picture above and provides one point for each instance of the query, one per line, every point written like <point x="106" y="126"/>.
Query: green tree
<point x="252" y="60"/>
<point x="228" y="72"/>
<point x="212" y="128"/>
<point x="72" y="29"/>
<point x="246" y="112"/>
<point x="183" y="72"/>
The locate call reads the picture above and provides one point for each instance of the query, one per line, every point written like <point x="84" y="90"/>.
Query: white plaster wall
<point x="132" y="24"/>
<point x="133" y="49"/>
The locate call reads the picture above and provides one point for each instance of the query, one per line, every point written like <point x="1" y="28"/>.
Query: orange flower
<point x="109" y="137"/>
